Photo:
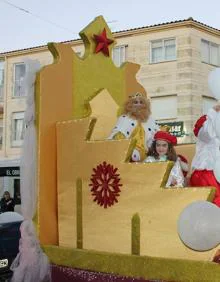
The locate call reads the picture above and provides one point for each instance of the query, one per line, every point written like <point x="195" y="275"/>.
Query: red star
<point x="102" y="43"/>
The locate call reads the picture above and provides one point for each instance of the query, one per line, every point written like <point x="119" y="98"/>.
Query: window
<point x="17" y="129"/>
<point x="164" y="107"/>
<point x="1" y="80"/>
<point x="119" y="55"/>
<point x="210" y="53"/>
<point x="79" y="54"/>
<point x="207" y="103"/>
<point x="163" y="50"/>
<point x="19" y="73"/>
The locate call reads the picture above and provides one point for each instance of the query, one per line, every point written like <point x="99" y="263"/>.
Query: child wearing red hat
<point x="161" y="150"/>
<point x="207" y="152"/>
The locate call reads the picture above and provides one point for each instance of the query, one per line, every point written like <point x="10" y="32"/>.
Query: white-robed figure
<point x="136" y="123"/>
<point x="205" y="167"/>
<point x="198" y="224"/>
<point x="31" y="263"/>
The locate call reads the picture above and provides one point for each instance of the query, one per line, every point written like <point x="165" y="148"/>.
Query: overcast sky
<point x="44" y="21"/>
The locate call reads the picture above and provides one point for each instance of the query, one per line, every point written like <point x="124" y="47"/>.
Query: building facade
<point x="175" y="60"/>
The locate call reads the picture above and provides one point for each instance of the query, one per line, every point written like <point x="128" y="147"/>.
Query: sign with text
<point x="176" y="128"/>
<point x="10" y="171"/>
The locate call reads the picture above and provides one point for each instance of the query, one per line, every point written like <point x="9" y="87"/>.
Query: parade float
<point x="99" y="216"/>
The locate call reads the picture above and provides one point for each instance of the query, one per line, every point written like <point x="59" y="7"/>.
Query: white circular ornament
<point x="199" y="226"/>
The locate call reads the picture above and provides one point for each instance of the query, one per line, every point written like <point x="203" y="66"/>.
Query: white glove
<point x="136" y="156"/>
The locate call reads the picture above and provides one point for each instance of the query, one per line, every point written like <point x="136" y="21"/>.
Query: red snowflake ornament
<point x="105" y="183"/>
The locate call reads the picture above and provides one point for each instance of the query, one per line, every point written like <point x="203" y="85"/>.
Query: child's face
<point x="161" y="147"/>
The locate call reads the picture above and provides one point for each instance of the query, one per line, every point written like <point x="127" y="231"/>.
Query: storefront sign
<point x="10" y="171"/>
<point x="176" y="128"/>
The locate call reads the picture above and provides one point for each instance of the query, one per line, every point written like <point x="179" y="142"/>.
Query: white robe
<point x="126" y="126"/>
<point x="176" y="173"/>
<point x="207" y="144"/>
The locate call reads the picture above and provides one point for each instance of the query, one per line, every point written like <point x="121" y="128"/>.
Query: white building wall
<point x="185" y="78"/>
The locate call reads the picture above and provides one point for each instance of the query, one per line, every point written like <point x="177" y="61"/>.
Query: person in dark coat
<point x="7" y="203"/>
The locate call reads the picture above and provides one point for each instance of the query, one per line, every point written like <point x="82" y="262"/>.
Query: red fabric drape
<point x="206" y="178"/>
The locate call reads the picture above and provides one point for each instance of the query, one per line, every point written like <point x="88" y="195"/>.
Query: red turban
<point x="199" y="124"/>
<point x="166" y="136"/>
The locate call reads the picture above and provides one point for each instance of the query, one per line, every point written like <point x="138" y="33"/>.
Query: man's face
<point x="138" y="103"/>
<point x="138" y="108"/>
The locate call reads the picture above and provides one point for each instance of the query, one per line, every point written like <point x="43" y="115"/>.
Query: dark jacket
<point x="7" y="205"/>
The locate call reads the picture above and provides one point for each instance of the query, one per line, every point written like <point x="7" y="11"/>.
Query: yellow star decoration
<point x="109" y="229"/>
<point x="95" y="72"/>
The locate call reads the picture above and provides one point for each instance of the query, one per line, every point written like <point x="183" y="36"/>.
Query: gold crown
<point x="136" y="95"/>
<point x="165" y="128"/>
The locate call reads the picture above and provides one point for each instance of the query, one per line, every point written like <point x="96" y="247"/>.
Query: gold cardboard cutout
<point x="96" y="72"/>
<point x="110" y="229"/>
<point x="105" y="110"/>
<point x="54" y="102"/>
<point x="64" y="90"/>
